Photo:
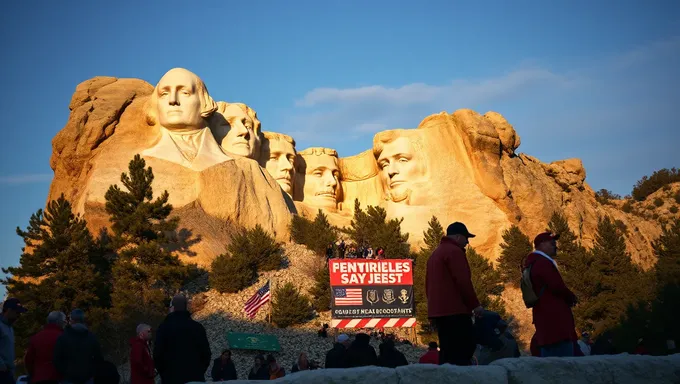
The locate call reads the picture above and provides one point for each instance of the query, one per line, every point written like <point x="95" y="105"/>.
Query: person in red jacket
<point x="39" y="358"/>
<point x="451" y="297"/>
<point x="432" y="354"/>
<point x="142" y="369"/>
<point x="553" y="318"/>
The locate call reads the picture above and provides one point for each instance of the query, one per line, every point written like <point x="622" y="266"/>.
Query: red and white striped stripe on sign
<point x="403" y="322"/>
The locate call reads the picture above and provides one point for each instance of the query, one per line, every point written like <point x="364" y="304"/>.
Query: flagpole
<point x="271" y="299"/>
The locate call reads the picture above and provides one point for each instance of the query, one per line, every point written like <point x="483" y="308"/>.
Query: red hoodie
<point x="430" y="357"/>
<point x="141" y="363"/>
<point x="40" y="354"/>
<point x="552" y="314"/>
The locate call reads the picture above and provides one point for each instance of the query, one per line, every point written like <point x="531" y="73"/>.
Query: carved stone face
<point x="241" y="138"/>
<point x="400" y="167"/>
<point x="280" y="162"/>
<point x="179" y="106"/>
<point x="322" y="184"/>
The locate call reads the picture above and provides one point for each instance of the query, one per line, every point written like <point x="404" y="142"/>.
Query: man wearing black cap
<point x="553" y="319"/>
<point x="11" y="310"/>
<point x="451" y="297"/>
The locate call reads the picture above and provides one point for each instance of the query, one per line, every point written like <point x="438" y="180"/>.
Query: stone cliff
<point x="459" y="167"/>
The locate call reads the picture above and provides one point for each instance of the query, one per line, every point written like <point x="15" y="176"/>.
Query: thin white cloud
<point x="621" y="103"/>
<point x="419" y="93"/>
<point x="26" y="179"/>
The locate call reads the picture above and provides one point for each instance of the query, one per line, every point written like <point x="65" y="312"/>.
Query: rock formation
<point x="222" y="170"/>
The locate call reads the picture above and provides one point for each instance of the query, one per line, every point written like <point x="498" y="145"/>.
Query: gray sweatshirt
<point x="6" y="345"/>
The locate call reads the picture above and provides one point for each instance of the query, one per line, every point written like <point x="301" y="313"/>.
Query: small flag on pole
<point x="260" y="298"/>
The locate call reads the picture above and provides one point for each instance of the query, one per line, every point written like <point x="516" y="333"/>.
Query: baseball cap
<point x="342" y="338"/>
<point x="458" y="228"/>
<point x="545" y="236"/>
<point x="15" y="304"/>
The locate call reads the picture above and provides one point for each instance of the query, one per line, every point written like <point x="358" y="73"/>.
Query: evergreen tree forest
<point x="119" y="279"/>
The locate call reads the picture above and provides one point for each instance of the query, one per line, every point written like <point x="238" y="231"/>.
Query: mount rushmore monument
<point x="222" y="169"/>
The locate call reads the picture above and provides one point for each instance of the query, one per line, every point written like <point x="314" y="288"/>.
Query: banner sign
<point x="375" y="292"/>
<point x="252" y="341"/>
<point x="370" y="272"/>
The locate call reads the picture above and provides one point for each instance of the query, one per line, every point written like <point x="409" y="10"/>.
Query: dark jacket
<point x="181" y="352"/>
<point x="261" y="374"/>
<point x="39" y="359"/>
<point x="336" y="357"/>
<point x="448" y="282"/>
<point x="361" y="353"/>
<point x="552" y="314"/>
<point x="223" y="372"/>
<point x="107" y="373"/>
<point x="391" y="358"/>
<point x="141" y="364"/>
<point x="77" y="354"/>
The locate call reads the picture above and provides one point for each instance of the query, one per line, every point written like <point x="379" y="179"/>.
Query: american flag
<point x="348" y="296"/>
<point x="260" y="298"/>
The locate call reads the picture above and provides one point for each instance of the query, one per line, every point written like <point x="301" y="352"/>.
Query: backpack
<point x="528" y="294"/>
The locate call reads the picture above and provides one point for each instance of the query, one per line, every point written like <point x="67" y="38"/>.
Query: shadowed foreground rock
<point x="593" y="369"/>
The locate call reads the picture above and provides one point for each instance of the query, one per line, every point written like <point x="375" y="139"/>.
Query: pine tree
<point x="487" y="282"/>
<point x="145" y="274"/>
<point x="290" y="306"/>
<point x="230" y="274"/>
<point x="259" y="246"/>
<point x="515" y="248"/>
<point x="58" y="269"/>
<point x="656" y="320"/>
<point x="321" y="291"/>
<point x="432" y="236"/>
<point x="667" y="251"/>
<point x="618" y="282"/>
<point x="360" y="226"/>
<point x="371" y="228"/>
<point x="666" y="306"/>
<point x="316" y="234"/>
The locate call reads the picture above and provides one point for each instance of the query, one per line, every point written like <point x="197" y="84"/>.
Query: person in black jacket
<point x="390" y="357"/>
<point x="337" y="357"/>
<point x="223" y="367"/>
<point x="259" y="371"/>
<point x="361" y="353"/>
<point x="181" y="352"/>
<point x="77" y="353"/>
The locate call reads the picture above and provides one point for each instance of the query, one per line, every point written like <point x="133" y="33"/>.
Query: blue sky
<point x="598" y="80"/>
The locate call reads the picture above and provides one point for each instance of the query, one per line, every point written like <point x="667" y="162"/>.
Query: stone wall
<point x="594" y="369"/>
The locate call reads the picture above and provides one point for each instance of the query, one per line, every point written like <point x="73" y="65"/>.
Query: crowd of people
<point x="340" y="250"/>
<point x="66" y="351"/>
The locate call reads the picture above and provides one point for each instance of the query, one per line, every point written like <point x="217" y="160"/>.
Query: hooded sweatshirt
<point x="77" y="354"/>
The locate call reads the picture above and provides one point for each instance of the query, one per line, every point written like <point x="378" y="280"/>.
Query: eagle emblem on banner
<point x="404" y="296"/>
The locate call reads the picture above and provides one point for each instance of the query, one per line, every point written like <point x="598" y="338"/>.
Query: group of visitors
<point x="340" y="250"/>
<point x="359" y="352"/>
<point x="62" y="351"/>
<point x="455" y="311"/>
<point x="66" y="351"/>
